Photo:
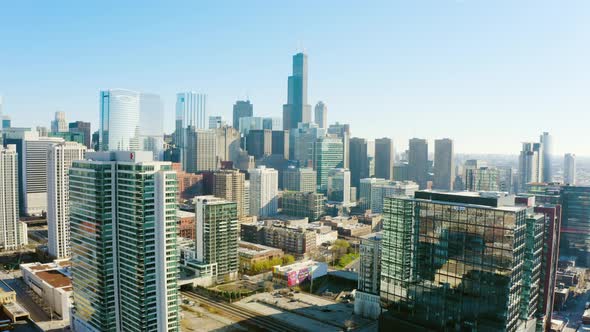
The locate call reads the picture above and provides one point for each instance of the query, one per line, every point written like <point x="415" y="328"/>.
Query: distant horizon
<point x="487" y="75"/>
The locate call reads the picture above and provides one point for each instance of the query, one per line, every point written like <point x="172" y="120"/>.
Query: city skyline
<point x="515" y="67"/>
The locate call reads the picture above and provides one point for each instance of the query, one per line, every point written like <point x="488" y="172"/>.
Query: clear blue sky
<point x="489" y="74"/>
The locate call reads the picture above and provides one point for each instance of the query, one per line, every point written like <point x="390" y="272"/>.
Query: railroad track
<point x="251" y="317"/>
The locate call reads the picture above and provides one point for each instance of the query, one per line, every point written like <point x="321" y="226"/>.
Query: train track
<point x="265" y="323"/>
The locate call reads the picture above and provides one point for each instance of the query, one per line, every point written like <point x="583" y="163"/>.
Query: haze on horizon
<point x="489" y="75"/>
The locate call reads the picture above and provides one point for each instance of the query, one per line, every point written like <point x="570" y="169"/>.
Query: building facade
<point x="300" y="179"/>
<point x="217" y="235"/>
<point x="569" y="169"/>
<point x="297" y="110"/>
<point x="83" y="128"/>
<point x="418" y="161"/>
<point x="13" y="233"/>
<point x="461" y="261"/>
<point x="384" y="156"/>
<point x="328" y="154"/>
<point x="359" y="161"/>
<point x="264" y="191"/>
<point x="303" y="204"/>
<point x="242" y="109"/>
<point x="530" y="165"/>
<point x="59" y="160"/>
<point x="200" y="153"/>
<point x="191" y="111"/>
<point x="339" y="186"/>
<point x="123" y="237"/>
<point x="444" y="164"/>
<point x="229" y="185"/>
<point x="321" y="114"/>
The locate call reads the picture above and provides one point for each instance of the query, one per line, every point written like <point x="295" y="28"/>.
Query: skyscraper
<point x="151" y="124"/>
<point x="296" y="110"/>
<point x="359" y="162"/>
<point x="123" y="237"/>
<point x="259" y="143"/>
<point x="34" y="174"/>
<point x="300" y="179"/>
<point x="384" y="156"/>
<point x="59" y="160"/>
<point x="200" y="153"/>
<point x="530" y="165"/>
<point x="13" y="233"/>
<point x="547" y="141"/>
<point x="339" y="186"/>
<point x="321" y="114"/>
<point x="418" y="161"/>
<point x="327" y="155"/>
<point x="217" y="235"/>
<point x="444" y="164"/>
<point x="59" y="124"/>
<point x="82" y="128"/>
<point x="216" y="121"/>
<point x="242" y="109"/>
<point x="229" y="185"/>
<point x="119" y="120"/>
<point x="264" y="190"/>
<point x="191" y="111"/>
<point x="569" y="169"/>
<point x="477" y="264"/>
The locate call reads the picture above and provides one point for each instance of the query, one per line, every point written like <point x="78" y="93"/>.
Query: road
<point x="242" y="315"/>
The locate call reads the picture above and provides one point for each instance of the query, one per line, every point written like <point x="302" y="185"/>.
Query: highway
<point x="264" y="323"/>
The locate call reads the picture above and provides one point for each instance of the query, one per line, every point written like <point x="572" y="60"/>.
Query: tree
<point x="340" y="248"/>
<point x="288" y="259"/>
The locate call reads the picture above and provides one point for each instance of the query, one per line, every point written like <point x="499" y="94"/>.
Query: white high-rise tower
<point x="264" y="191"/>
<point x="13" y="233"/>
<point x="59" y="160"/>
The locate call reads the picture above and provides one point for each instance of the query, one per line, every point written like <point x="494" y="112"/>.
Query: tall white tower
<point x="264" y="184"/>
<point x="59" y="160"/>
<point x="13" y="233"/>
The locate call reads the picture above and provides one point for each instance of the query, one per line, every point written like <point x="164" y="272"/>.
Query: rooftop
<point x="184" y="214"/>
<point x="55" y="278"/>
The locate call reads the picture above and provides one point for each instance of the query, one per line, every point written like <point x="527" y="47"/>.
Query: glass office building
<point x="460" y="261"/>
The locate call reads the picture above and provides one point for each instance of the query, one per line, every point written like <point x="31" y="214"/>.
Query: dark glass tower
<point x="296" y="109"/>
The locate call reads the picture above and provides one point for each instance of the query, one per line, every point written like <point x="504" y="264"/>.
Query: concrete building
<point x="418" y="161"/>
<point x="216" y="121"/>
<point x="339" y="186"/>
<point x="34" y="176"/>
<point x="264" y="191"/>
<point x="252" y="253"/>
<point x="228" y="144"/>
<point x="59" y="123"/>
<point x="294" y="240"/>
<point x="297" y="110"/>
<point x="300" y="179"/>
<point x="303" y="204"/>
<point x="186" y="224"/>
<point x="444" y="164"/>
<point x="201" y="150"/>
<point x="328" y="154"/>
<point x="367" y="301"/>
<point x="52" y="283"/>
<point x="83" y="128"/>
<point x="242" y="109"/>
<point x="302" y="142"/>
<point x="321" y="114"/>
<point x="229" y="185"/>
<point x="280" y="143"/>
<point x="217" y="236"/>
<point x="59" y="160"/>
<point x="384" y="156"/>
<point x="569" y="169"/>
<point x="374" y="190"/>
<point x="13" y="233"/>
<point x="189" y="184"/>
<point x="123" y="238"/>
